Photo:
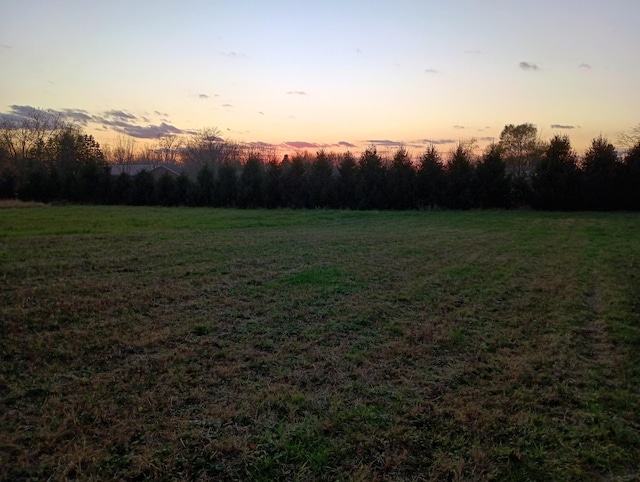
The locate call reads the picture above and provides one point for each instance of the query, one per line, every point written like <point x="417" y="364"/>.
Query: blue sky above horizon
<point x="332" y="74"/>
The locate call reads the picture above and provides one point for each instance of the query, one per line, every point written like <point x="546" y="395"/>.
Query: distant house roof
<point x="133" y="169"/>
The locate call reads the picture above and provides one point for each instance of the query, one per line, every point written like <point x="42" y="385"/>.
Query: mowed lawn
<point x="204" y="344"/>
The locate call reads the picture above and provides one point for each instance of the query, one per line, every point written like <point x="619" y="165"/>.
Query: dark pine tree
<point x="251" y="185"/>
<point x="205" y="187"/>
<point x="600" y="166"/>
<point x="144" y="193"/>
<point x="492" y="184"/>
<point x="320" y="182"/>
<point x="273" y="173"/>
<point x="460" y="180"/>
<point x="402" y="176"/>
<point x="227" y="185"/>
<point x="347" y="181"/>
<point x="166" y="190"/>
<point x="185" y="190"/>
<point x="430" y="179"/>
<point x="372" y="187"/>
<point x="122" y="189"/>
<point x="629" y="179"/>
<point x="294" y="183"/>
<point x="556" y="178"/>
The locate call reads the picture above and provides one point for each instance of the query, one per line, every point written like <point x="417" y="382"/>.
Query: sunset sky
<point x="333" y="74"/>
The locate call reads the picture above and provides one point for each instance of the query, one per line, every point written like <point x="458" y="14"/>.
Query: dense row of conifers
<point x="555" y="179"/>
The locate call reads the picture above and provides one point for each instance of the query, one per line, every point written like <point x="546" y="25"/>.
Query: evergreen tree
<point x="122" y="189"/>
<point x="556" y="179"/>
<point x="492" y="184"/>
<point x="166" y="190"/>
<point x="143" y="189"/>
<point x="430" y="179"/>
<point x="273" y="176"/>
<point x="185" y="191"/>
<point x="630" y="179"/>
<point x="460" y="179"/>
<point x="227" y="184"/>
<point x="402" y="181"/>
<point x="294" y="185"/>
<point x="251" y="186"/>
<point x="347" y="181"/>
<point x="205" y="187"/>
<point x="600" y="167"/>
<point x="372" y="192"/>
<point x="320" y="182"/>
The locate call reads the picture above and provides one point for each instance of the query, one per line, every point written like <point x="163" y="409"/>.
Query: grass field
<point x="318" y="345"/>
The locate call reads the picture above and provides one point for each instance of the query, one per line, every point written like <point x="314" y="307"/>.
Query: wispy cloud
<point x="18" y="113"/>
<point x="345" y="144"/>
<point x="77" y="115"/>
<point x="117" y="120"/>
<point x="529" y="66"/>
<point x="203" y="96"/>
<point x="302" y="145"/>
<point x="459" y="127"/>
<point x="385" y="142"/>
<point x="161" y="114"/>
<point x="151" y="132"/>
<point x="5" y="46"/>
<point x="260" y="112"/>
<point x="584" y="66"/>
<point x="242" y="133"/>
<point x="233" y="55"/>
<point x="297" y="92"/>
<point x="562" y="126"/>
<point x="487" y="139"/>
<point x="120" y="114"/>
<point x="431" y="71"/>
<point x="437" y="142"/>
<point x="261" y="145"/>
<point x="24" y="110"/>
<point x="227" y="105"/>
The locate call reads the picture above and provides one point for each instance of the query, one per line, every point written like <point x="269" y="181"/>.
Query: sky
<point x="325" y="74"/>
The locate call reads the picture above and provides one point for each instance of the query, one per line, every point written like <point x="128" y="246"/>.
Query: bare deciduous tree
<point x="169" y="147"/>
<point x="123" y="153"/>
<point x="630" y="139"/>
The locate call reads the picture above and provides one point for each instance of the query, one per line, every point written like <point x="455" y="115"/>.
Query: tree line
<point x="51" y="162"/>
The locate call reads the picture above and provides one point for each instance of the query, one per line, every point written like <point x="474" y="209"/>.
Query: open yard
<point x="203" y="344"/>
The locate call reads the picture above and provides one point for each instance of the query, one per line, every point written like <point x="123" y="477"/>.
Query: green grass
<point x="154" y="343"/>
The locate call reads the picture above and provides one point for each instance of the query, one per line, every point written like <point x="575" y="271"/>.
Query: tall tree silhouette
<point x="372" y="181"/>
<point x="630" y="179"/>
<point x="273" y="175"/>
<point x="600" y="166"/>
<point x="522" y="149"/>
<point x="144" y="193"/>
<point x="556" y="179"/>
<point x="251" y="186"/>
<point x="227" y="184"/>
<point x="294" y="183"/>
<point x="460" y="179"/>
<point x="430" y="179"/>
<point x="205" y="186"/>
<point x="347" y="181"/>
<point x="402" y="181"/>
<point x="491" y="180"/>
<point x="320" y="182"/>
